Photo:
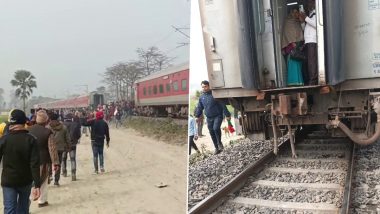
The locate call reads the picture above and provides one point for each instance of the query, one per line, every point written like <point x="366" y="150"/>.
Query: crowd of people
<point x="34" y="150"/>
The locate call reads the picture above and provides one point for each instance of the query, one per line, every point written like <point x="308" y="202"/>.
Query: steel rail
<point x="348" y="185"/>
<point x="214" y="200"/>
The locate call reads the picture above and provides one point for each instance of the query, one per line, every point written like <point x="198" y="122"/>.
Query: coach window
<point x="155" y="89"/>
<point x="175" y="86"/>
<point x="167" y="87"/>
<point x="150" y="90"/>
<point x="161" y="88"/>
<point x="184" y="84"/>
<point x="144" y="91"/>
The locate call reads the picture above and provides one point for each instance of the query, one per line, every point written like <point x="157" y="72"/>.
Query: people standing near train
<point x="99" y="133"/>
<point x="214" y="111"/>
<point x="73" y="126"/>
<point x="48" y="153"/>
<point x="32" y="114"/>
<point x="199" y="122"/>
<point x="292" y="41"/>
<point x="193" y="134"/>
<point x="310" y="35"/>
<point x="118" y="114"/>
<point x="83" y="119"/>
<point x="61" y="138"/>
<point x="21" y="165"/>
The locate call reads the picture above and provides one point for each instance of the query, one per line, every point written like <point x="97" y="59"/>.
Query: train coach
<point x="91" y="100"/>
<point x="164" y="93"/>
<point x="247" y="69"/>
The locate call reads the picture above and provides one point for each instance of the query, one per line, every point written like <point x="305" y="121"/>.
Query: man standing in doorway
<point x="214" y="111"/>
<point x="310" y="36"/>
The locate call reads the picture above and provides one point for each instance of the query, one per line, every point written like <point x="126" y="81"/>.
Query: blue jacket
<point x="192" y="130"/>
<point x="212" y="107"/>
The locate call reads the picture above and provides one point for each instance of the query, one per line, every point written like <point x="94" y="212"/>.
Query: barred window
<point x="175" y="86"/>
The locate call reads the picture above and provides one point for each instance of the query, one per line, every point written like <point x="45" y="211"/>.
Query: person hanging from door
<point x="310" y="36"/>
<point x="292" y="39"/>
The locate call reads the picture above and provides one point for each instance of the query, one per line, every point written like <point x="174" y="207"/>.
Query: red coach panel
<point x="167" y="87"/>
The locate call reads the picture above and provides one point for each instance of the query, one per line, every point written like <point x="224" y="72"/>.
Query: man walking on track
<point x="61" y="138"/>
<point x="214" y="111"/>
<point x="99" y="133"/>
<point x="73" y="126"/>
<point x="21" y="165"/>
<point x="48" y="153"/>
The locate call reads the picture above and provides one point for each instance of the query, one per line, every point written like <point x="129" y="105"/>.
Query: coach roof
<point x="167" y="71"/>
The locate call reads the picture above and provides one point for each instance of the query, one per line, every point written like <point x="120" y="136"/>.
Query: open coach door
<point x="330" y="41"/>
<point x="329" y="38"/>
<point x="229" y="42"/>
<point x="242" y="40"/>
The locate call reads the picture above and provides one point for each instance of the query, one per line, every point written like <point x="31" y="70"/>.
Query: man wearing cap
<point x="48" y="153"/>
<point x="99" y="133"/>
<point x="21" y="165"/>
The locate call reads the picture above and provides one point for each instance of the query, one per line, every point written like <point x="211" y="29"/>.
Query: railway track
<point x="318" y="181"/>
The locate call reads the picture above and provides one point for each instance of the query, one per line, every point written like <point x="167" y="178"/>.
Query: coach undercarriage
<point x="174" y="111"/>
<point x="272" y="114"/>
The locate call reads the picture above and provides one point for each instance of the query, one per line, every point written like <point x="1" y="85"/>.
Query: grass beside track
<point x="164" y="130"/>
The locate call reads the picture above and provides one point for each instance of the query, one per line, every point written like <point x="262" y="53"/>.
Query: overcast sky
<point x="69" y="43"/>
<point x="198" y="65"/>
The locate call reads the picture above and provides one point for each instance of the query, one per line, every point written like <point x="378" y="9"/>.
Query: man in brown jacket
<point x="61" y="139"/>
<point x="48" y="153"/>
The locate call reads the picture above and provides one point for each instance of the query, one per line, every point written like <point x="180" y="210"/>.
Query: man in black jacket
<point x="21" y="165"/>
<point x="99" y="133"/>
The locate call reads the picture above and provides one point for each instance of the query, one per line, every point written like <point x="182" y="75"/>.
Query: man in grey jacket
<point x="73" y="126"/>
<point x="61" y="139"/>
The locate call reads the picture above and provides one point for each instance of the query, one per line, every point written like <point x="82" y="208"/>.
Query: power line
<point x="163" y="39"/>
<point x="178" y="46"/>
<point x="180" y="31"/>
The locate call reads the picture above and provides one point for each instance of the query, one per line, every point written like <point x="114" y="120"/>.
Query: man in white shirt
<point x="310" y="35"/>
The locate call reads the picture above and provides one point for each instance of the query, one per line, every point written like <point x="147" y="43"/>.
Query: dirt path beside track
<point x="134" y="166"/>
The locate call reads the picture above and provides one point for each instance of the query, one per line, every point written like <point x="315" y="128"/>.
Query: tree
<point x="132" y="73"/>
<point x="198" y="94"/>
<point x="152" y="60"/>
<point x="25" y="82"/>
<point x="121" y="77"/>
<point x="14" y="102"/>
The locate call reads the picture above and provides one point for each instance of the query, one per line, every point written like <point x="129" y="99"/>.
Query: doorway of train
<point x="268" y="20"/>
